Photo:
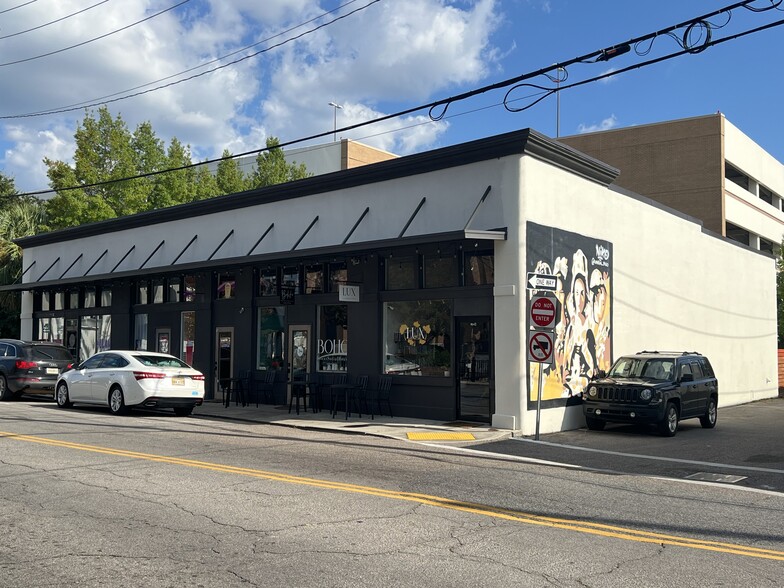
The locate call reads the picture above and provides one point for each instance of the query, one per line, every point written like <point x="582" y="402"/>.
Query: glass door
<point x="224" y="357"/>
<point x="474" y="368"/>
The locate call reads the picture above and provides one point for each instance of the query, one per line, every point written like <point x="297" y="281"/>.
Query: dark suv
<point x="654" y="387"/>
<point x="30" y="368"/>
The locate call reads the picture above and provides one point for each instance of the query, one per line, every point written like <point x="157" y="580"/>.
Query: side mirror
<point x="600" y="374"/>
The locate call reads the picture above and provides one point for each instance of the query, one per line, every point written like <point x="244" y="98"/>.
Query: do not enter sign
<point x="543" y="311"/>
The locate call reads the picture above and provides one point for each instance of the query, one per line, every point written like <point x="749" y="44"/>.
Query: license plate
<point x="178" y="381"/>
<point x="52" y="371"/>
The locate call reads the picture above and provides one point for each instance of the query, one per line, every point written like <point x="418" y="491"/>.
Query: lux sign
<point x="348" y="293"/>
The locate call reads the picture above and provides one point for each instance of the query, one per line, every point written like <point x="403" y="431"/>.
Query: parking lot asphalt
<point x="746" y="449"/>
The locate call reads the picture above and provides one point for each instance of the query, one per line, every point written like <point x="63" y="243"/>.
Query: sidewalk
<point x="456" y="432"/>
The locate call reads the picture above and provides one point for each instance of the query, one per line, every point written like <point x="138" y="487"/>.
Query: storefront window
<point x="59" y="300"/>
<point x="73" y="299"/>
<point x="271" y="338"/>
<point x="51" y="329"/>
<point x="417" y="338"/>
<point x="45" y="300"/>
<point x="314" y="279"/>
<point x="106" y="297"/>
<point x="89" y="297"/>
<point x="173" y="290"/>
<point x="338" y="274"/>
<point x="332" y="345"/>
<point x="142" y="293"/>
<point x="188" y="330"/>
<point x="479" y="268"/>
<point x="402" y="273"/>
<point x="189" y="291"/>
<point x="440" y="271"/>
<point x="268" y="282"/>
<point x="140" y="332"/>
<point x="226" y="284"/>
<point x="291" y="278"/>
<point x="157" y="291"/>
<point x="95" y="335"/>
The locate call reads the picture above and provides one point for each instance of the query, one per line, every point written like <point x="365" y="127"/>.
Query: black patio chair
<point x="382" y="393"/>
<point x="267" y="387"/>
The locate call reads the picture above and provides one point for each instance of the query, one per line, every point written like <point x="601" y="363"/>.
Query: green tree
<point x="21" y="218"/>
<point x="175" y="187"/>
<point x="780" y="293"/>
<point x="230" y="177"/>
<point x="272" y="167"/>
<point x="206" y="185"/>
<point x="8" y="191"/>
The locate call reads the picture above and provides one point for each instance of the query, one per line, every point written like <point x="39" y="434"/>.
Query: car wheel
<point x="708" y="420"/>
<point x="668" y="426"/>
<point x="183" y="411"/>
<point x="116" y="401"/>
<point x="594" y="424"/>
<point x="5" y="393"/>
<point x="61" y="396"/>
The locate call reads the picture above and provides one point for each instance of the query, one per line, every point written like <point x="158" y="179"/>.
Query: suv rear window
<point x="50" y="352"/>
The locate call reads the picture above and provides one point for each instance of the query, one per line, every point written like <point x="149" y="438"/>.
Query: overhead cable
<point x="54" y="21"/>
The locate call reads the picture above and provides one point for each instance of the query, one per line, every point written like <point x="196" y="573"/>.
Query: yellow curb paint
<point x="574" y="525"/>
<point x="446" y="436"/>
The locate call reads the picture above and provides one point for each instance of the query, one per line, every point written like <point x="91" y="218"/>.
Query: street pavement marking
<point x="600" y="529"/>
<point x="440" y="436"/>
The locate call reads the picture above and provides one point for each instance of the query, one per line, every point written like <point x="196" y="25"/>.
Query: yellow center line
<point x="600" y="529"/>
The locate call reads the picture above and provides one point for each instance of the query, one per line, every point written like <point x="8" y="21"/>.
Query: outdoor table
<point x="335" y="390"/>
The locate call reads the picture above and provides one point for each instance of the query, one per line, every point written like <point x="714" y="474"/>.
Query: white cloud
<point x="390" y="54"/>
<point x="605" y="125"/>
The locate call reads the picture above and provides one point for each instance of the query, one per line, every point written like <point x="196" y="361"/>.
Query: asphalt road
<point x="746" y="449"/>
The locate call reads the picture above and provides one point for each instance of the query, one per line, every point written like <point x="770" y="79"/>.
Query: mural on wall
<point x="583" y="329"/>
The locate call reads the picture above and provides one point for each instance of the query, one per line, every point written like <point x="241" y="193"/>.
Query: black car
<point x="28" y="367"/>
<point x="654" y="387"/>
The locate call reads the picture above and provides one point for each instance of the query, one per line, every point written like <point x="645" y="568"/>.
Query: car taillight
<point x="69" y="366"/>
<point x="199" y="377"/>
<point x="25" y="365"/>
<point x="150" y="375"/>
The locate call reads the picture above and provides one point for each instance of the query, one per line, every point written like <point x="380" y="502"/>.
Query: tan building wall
<point x="353" y="154"/>
<point x="678" y="163"/>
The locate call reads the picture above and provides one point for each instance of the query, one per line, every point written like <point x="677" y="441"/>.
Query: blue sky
<point x="390" y="55"/>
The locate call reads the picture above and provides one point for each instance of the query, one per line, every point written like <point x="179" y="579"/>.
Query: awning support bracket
<point x="478" y="204"/>
<point x="70" y="266"/>
<point x="226" y="238"/>
<point x="176" y="259"/>
<point x="356" y="224"/>
<point x="154" y="251"/>
<point x="29" y="267"/>
<point x="310" y="226"/>
<point x="410" y="220"/>
<point x="47" y="270"/>
<point x="256" y="244"/>
<point x="123" y="258"/>
<point x="100" y="257"/>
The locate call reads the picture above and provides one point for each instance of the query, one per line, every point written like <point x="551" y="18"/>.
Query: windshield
<point x="636" y="367"/>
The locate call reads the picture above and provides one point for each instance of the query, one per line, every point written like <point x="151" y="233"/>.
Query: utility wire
<point x="95" y="38"/>
<point x="15" y="7"/>
<point x="54" y="21"/>
<point x="271" y="47"/>
<point x="96" y="101"/>
<point x="445" y="102"/>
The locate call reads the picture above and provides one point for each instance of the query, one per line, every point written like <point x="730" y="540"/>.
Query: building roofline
<point x="646" y="125"/>
<point x="521" y="142"/>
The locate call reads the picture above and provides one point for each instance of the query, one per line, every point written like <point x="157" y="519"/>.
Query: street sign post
<point x="546" y="282"/>
<point x="542" y="311"/>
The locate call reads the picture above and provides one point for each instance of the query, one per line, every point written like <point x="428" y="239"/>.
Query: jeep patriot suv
<point x="654" y="387"/>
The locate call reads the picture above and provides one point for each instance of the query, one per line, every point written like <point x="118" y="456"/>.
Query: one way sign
<point x="542" y="282"/>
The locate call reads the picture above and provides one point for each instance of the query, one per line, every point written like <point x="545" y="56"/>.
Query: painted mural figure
<point x="583" y="326"/>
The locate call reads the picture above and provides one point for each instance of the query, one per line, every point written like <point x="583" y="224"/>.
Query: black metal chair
<point x="359" y="394"/>
<point x="300" y="389"/>
<point x="267" y="387"/>
<point x="382" y="393"/>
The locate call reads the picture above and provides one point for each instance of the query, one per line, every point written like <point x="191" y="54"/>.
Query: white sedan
<point x="127" y="379"/>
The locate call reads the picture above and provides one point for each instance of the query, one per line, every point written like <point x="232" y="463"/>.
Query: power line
<point x="54" y="21"/>
<point x="592" y="57"/>
<point x="19" y="6"/>
<point x="95" y="38"/>
<point x="102" y="99"/>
